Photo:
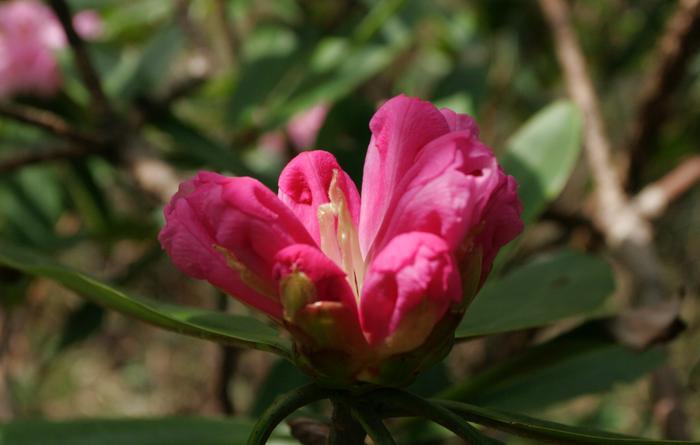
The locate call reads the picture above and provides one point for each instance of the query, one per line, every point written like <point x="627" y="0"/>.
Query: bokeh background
<point x="240" y="87"/>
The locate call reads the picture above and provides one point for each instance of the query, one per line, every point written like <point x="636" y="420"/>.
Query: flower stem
<point x="345" y="429"/>
<point x="282" y="407"/>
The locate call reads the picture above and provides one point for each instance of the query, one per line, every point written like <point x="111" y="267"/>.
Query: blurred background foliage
<point x="208" y="84"/>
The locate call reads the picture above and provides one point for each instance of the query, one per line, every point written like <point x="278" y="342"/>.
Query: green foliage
<point x="556" y="287"/>
<point x="229" y="329"/>
<point x="542" y="154"/>
<point x="580" y="362"/>
<point x="163" y="431"/>
<point x="285" y="57"/>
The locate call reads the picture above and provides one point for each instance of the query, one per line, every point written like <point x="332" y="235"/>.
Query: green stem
<point x="345" y="429"/>
<point x="373" y="425"/>
<point x="545" y="431"/>
<point x="282" y="407"/>
<point x="401" y="403"/>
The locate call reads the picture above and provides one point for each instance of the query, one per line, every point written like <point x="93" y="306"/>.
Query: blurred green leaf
<point x="694" y="377"/>
<point x="431" y="381"/>
<point x="156" y="431"/>
<point x="82" y="322"/>
<point x="151" y="72"/>
<point x="542" y="154"/>
<point x="195" y="145"/>
<point x="556" y="287"/>
<point x="31" y="202"/>
<point x="356" y="67"/>
<point x="581" y="362"/>
<point x="126" y="21"/>
<point x="550" y="432"/>
<point x="274" y="60"/>
<point x="216" y="326"/>
<point x="282" y="377"/>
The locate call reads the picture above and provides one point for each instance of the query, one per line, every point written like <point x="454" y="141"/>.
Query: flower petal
<point x="400" y="128"/>
<point x="458" y="122"/>
<point x="501" y="221"/>
<point x="409" y="287"/>
<point x="444" y="192"/>
<point x="317" y="299"/>
<point x="304" y="185"/>
<point x="227" y="231"/>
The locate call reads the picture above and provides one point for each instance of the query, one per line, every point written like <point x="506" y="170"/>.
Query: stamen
<point x="339" y="240"/>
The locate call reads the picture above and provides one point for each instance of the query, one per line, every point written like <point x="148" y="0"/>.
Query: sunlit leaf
<point x="542" y="154"/>
<point x="581" y="362"/>
<point x="216" y="326"/>
<point x="559" y="286"/>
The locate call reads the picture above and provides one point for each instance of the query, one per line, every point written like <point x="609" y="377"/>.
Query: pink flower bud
<point x="371" y="289"/>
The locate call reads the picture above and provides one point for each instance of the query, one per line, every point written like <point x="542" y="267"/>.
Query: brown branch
<point x="653" y="200"/>
<point x="627" y="232"/>
<point x="47" y="121"/>
<point x="613" y="214"/>
<point x="229" y="36"/>
<point x="673" y="53"/>
<point x="86" y="69"/>
<point x="26" y="159"/>
<point x="309" y="431"/>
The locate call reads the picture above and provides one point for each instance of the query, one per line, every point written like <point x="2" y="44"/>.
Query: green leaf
<point x="581" y="362"/>
<point x="542" y="154"/>
<point x="216" y="326"/>
<point x="545" y="430"/>
<point x="197" y="146"/>
<point x="157" y="431"/>
<point x="694" y="378"/>
<point x="282" y="377"/>
<point x="549" y="289"/>
<point x="81" y="324"/>
<point x="156" y="59"/>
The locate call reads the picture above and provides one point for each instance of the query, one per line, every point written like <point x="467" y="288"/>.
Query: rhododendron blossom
<point x="370" y="288"/>
<point x="29" y="36"/>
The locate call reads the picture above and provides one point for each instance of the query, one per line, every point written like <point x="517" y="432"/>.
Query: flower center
<point x="339" y="240"/>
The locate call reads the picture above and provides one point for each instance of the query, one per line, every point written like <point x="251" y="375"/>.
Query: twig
<point x="613" y="213"/>
<point x="26" y="159"/>
<point x="226" y="368"/>
<point x="653" y="200"/>
<point x="47" y="121"/>
<point x="345" y="430"/>
<point x="309" y="431"/>
<point x="627" y="231"/>
<point x="668" y="410"/>
<point x="674" y="50"/>
<point x="85" y="68"/>
<point x="230" y="39"/>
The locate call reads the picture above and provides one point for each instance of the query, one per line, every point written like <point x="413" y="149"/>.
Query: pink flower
<point x="29" y="36"/>
<point x="303" y="128"/>
<point x="360" y="283"/>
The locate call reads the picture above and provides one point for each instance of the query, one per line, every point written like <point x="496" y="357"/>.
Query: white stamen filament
<point x="339" y="240"/>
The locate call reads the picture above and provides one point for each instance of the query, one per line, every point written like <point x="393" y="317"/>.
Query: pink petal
<point x="409" y="287"/>
<point x="228" y="231"/>
<point x="400" y="128"/>
<point x="326" y="313"/>
<point x="303" y="128"/>
<point x="88" y="24"/>
<point x="458" y="122"/>
<point x="304" y="185"/>
<point x="444" y="192"/>
<point x="501" y="221"/>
